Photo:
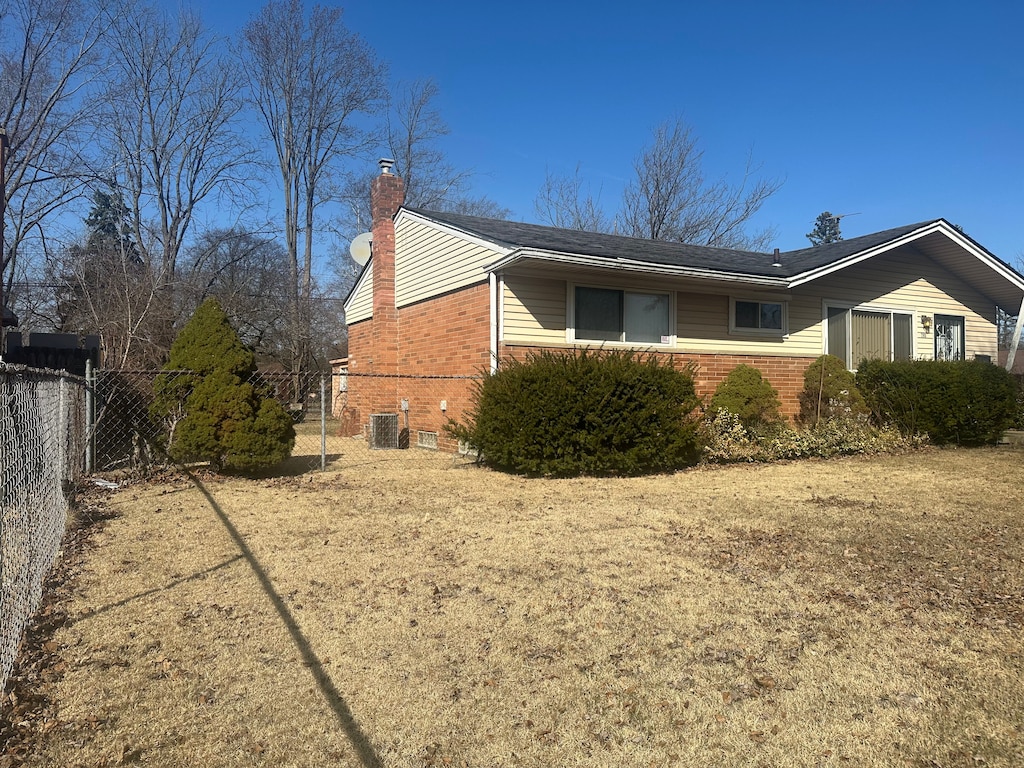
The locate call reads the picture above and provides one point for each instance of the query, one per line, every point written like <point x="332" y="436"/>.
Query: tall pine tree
<point x="826" y="230"/>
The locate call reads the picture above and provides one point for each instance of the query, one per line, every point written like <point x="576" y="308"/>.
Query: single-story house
<point x="446" y="296"/>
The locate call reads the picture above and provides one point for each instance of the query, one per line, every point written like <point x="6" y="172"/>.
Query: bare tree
<point x="173" y="101"/>
<point x="413" y="131"/>
<point x="413" y="128"/>
<point x="243" y="270"/>
<point x="49" y="49"/>
<point x="565" y="202"/>
<point x="311" y="80"/>
<point x="669" y="198"/>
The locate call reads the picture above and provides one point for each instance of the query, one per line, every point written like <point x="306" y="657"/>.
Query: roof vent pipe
<point x="385" y="164"/>
<point x="776" y="261"/>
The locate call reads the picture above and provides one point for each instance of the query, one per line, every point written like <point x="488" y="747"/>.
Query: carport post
<point x="1015" y="342"/>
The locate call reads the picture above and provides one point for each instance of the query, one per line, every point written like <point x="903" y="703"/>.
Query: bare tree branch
<point x="669" y="198"/>
<point x="48" y="59"/>
<point x="311" y="79"/>
<point x="173" y="104"/>
<point x="565" y="202"/>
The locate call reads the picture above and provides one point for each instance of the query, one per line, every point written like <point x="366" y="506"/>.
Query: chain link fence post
<point x="323" y="422"/>
<point x="90" y="416"/>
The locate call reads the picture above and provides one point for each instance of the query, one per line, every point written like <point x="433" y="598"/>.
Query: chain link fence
<point x="42" y="442"/>
<point x="126" y="429"/>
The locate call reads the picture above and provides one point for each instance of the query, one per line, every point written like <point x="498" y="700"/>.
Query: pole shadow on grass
<point x="333" y="696"/>
<point x="148" y="592"/>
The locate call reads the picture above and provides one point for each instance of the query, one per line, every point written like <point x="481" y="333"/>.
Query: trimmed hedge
<point x="746" y="393"/>
<point x="962" y="403"/>
<point x="830" y="392"/>
<point x="584" y="413"/>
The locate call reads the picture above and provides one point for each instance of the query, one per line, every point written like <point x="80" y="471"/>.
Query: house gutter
<point x="493" y="279"/>
<point x="630" y="265"/>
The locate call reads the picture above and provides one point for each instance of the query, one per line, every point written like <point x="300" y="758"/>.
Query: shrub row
<point x="615" y="413"/>
<point x="962" y="403"/>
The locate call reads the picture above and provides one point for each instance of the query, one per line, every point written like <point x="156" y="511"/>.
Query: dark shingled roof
<point x="617" y="248"/>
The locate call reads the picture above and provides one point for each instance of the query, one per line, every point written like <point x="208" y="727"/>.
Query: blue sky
<point x="897" y="111"/>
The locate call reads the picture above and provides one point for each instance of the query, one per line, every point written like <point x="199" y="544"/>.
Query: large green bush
<point x="746" y="393"/>
<point x="964" y="403"/>
<point x="829" y="392"/>
<point x="212" y="411"/>
<point x="584" y="413"/>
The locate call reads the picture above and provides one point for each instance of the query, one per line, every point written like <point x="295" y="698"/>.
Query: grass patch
<point x="403" y="609"/>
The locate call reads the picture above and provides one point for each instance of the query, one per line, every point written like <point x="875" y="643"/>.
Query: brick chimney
<point x="387" y="193"/>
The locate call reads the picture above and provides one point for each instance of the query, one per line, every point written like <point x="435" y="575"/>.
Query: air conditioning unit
<point x="384" y="430"/>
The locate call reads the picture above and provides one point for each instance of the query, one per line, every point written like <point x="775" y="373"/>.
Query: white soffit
<point x="856" y="258"/>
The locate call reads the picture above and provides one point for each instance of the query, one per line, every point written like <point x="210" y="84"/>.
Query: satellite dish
<point x="360" y="248"/>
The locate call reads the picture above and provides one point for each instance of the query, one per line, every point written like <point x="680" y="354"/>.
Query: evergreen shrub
<point x="830" y="392"/>
<point x="953" y="402"/>
<point x="210" y="408"/>
<point x="584" y="413"/>
<point x="746" y="393"/>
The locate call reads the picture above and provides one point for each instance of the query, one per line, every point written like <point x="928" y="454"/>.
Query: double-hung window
<point x="854" y="334"/>
<point x="607" y="314"/>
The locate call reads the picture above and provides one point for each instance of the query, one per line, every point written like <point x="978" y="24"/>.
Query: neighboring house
<point x="339" y="385"/>
<point x="447" y="295"/>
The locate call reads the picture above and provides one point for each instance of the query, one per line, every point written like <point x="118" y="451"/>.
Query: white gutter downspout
<point x="1016" y="337"/>
<point x="493" y="279"/>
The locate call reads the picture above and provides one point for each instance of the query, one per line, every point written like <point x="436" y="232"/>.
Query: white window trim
<point x="735" y="330"/>
<point x="570" y="318"/>
<point x="879" y="309"/>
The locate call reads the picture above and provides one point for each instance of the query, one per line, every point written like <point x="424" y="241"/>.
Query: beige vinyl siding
<point x="534" y="310"/>
<point x="430" y="261"/>
<point x="703" y="326"/>
<point x="360" y="304"/>
<point x="909" y="281"/>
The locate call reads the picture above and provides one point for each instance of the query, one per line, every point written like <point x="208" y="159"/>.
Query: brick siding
<point x="448" y="336"/>
<point x="786" y="374"/>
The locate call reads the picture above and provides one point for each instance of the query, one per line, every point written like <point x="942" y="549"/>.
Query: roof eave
<point x="631" y="265"/>
<point x="939" y="225"/>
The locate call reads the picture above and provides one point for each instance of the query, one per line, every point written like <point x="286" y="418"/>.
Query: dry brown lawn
<point x="408" y="609"/>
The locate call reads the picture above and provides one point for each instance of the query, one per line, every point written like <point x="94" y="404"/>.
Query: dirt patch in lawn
<point x="408" y="609"/>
